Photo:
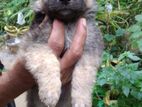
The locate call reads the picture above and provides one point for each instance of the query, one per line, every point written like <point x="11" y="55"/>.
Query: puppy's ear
<point x="37" y="6"/>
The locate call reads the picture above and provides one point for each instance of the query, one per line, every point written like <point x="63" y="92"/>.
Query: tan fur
<point x="44" y="71"/>
<point x="83" y="81"/>
<point x="37" y="5"/>
<point x="89" y="3"/>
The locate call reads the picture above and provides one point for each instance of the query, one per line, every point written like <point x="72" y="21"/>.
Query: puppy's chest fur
<point x="69" y="32"/>
<point x="41" y="34"/>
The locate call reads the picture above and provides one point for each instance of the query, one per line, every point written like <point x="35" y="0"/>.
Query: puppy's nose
<point x="65" y="2"/>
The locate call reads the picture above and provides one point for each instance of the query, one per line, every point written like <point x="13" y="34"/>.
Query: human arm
<point x="18" y="79"/>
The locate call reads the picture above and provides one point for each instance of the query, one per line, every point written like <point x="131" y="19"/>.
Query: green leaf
<point x="140" y="45"/>
<point x="139" y="74"/>
<point x="130" y="55"/>
<point x="101" y="82"/>
<point x="136" y="94"/>
<point x="134" y="28"/>
<point x="109" y="37"/>
<point x="136" y="35"/>
<point x="100" y="103"/>
<point x="133" y="66"/>
<point x="138" y="18"/>
<point x="122" y="56"/>
<point x="126" y="90"/>
<point x="120" y="32"/>
<point x="133" y="57"/>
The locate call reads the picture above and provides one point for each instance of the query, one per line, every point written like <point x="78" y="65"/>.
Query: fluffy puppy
<point x="43" y="64"/>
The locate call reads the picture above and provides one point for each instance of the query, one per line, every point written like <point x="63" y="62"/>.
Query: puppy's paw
<point x="50" y="95"/>
<point x="81" y="104"/>
<point x="50" y="98"/>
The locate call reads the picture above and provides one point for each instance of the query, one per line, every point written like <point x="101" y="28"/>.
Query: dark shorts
<point x="11" y="104"/>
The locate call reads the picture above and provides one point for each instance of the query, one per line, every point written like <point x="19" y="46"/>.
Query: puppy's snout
<point x="65" y="2"/>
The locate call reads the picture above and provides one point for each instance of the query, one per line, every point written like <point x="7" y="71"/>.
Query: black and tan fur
<point x="44" y="65"/>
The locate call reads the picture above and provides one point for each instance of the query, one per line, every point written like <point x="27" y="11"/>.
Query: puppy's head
<point x="64" y="10"/>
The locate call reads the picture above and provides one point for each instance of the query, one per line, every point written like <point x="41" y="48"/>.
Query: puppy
<point x="43" y="64"/>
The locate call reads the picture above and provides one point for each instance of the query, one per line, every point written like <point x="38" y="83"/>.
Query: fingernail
<point x="84" y="22"/>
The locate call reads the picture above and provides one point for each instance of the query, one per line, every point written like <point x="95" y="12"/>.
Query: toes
<point x="49" y="98"/>
<point x="79" y="105"/>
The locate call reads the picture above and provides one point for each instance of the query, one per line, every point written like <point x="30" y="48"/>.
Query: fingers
<point x="66" y="75"/>
<point x="56" y="40"/>
<point x="56" y="43"/>
<point x="74" y="53"/>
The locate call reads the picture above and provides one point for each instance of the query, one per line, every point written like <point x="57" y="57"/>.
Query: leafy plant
<point x="136" y="34"/>
<point x="119" y="79"/>
<point x="122" y="14"/>
<point x="9" y="11"/>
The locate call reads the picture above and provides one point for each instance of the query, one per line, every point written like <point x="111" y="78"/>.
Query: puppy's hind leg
<point x="45" y="68"/>
<point x="83" y="81"/>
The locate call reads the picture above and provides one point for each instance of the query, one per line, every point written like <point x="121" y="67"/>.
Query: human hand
<point x="71" y="56"/>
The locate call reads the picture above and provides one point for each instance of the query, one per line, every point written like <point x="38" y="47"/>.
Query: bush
<point x="119" y="80"/>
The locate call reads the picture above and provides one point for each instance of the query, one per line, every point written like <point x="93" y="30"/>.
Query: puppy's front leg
<point x="83" y="80"/>
<point x="45" y="68"/>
